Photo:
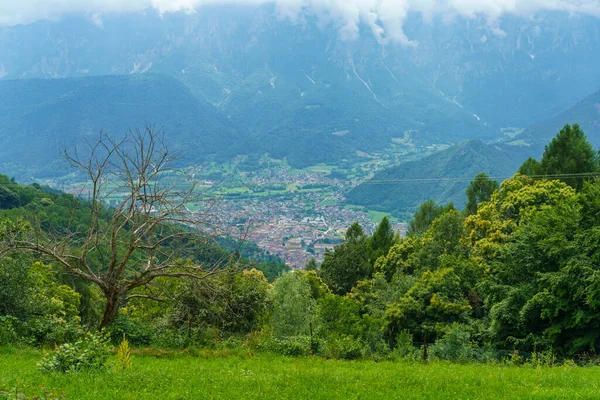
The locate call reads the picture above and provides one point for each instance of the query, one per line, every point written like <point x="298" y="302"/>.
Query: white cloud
<point x="384" y="17"/>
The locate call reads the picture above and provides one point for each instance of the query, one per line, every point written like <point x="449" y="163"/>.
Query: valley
<point x="292" y="213"/>
<point x="295" y="131"/>
<point x="299" y="199"/>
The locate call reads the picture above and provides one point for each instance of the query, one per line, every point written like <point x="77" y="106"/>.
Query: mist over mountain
<point x="305" y="92"/>
<point x="586" y="113"/>
<point x="40" y="116"/>
<point x="444" y="176"/>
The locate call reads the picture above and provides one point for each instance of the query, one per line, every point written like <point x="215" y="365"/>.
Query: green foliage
<point x="404" y="348"/>
<point x="348" y="263"/>
<point x="531" y="167"/>
<point x="426" y="214"/>
<point x="88" y="353"/>
<point x="382" y="240"/>
<point x="479" y="190"/>
<point x="9" y="330"/>
<point x="312" y="265"/>
<point x="570" y="154"/>
<point x="293" y="346"/>
<point x="35" y="305"/>
<point x="343" y="347"/>
<point x="232" y="302"/>
<point x="455" y="345"/>
<point x="436" y="300"/>
<point x="139" y="333"/>
<point x="294" y="307"/>
<point x="342" y="322"/>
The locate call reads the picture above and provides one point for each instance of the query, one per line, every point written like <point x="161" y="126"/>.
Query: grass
<point x="377" y="216"/>
<point x="220" y="375"/>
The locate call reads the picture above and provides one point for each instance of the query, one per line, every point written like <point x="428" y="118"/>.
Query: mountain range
<point x="444" y="176"/>
<point x="239" y="80"/>
<point x="38" y="117"/>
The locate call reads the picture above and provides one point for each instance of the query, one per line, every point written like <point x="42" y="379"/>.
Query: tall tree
<point x="425" y="216"/>
<point x="146" y="236"/>
<point x="479" y="190"/>
<point x="569" y="157"/>
<point x="381" y="241"/>
<point x="347" y="263"/>
<point x="531" y="167"/>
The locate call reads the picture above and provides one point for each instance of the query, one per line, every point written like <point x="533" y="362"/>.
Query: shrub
<point x="344" y="347"/>
<point x="455" y="346"/>
<point x="138" y="333"/>
<point x="404" y="347"/>
<point x="89" y="353"/>
<point x="124" y="355"/>
<point x="8" y="330"/>
<point x="51" y="330"/>
<point x="292" y="346"/>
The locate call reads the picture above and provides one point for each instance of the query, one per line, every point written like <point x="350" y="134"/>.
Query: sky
<point x="384" y="17"/>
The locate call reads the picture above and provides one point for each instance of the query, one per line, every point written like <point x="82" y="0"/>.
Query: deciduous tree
<point x="148" y="234"/>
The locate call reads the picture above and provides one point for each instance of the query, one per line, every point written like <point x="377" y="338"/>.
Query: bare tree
<point x="144" y="236"/>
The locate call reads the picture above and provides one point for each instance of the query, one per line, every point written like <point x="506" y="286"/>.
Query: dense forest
<point x="513" y="274"/>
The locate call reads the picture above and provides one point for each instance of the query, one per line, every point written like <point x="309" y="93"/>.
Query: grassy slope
<point x="274" y="377"/>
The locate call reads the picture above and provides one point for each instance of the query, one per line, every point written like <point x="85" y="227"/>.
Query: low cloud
<point x="384" y="17"/>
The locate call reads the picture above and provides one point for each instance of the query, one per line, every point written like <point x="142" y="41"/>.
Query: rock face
<point x="291" y="89"/>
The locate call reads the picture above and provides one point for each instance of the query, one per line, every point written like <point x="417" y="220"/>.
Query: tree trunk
<point x="112" y="307"/>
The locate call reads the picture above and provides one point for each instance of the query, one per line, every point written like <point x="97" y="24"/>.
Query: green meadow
<point x="224" y="375"/>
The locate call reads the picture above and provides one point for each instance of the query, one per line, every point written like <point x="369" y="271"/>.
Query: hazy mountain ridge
<point x="442" y="177"/>
<point x="37" y="117"/>
<point x="301" y="92"/>
<point x="586" y="113"/>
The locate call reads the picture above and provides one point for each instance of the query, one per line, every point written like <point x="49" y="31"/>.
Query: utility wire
<point x="464" y="179"/>
<point x="433" y="180"/>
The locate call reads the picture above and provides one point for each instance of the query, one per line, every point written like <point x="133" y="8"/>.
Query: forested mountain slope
<point x="586" y="113"/>
<point x="442" y="177"/>
<point x="39" y="116"/>
<point x="302" y="91"/>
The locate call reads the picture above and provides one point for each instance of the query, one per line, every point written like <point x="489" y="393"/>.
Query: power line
<point x="465" y="179"/>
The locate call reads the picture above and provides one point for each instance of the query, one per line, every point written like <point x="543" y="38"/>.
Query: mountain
<point x="586" y="113"/>
<point x="301" y="91"/>
<point x="442" y="177"/>
<point x="39" y="116"/>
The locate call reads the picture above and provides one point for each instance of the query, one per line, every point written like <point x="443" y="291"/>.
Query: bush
<point x="89" y="353"/>
<point x="404" y="347"/>
<point x="343" y="347"/>
<point x="455" y="346"/>
<point x="292" y="346"/>
<point x="8" y="330"/>
<point x="52" y="330"/>
<point x="137" y="333"/>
